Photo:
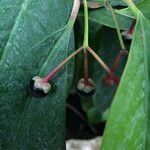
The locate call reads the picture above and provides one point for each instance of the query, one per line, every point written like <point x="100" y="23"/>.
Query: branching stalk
<point x="85" y="46"/>
<point x="56" y="69"/>
<point x="102" y="63"/>
<point x="86" y="25"/>
<point x="73" y="16"/>
<point x="86" y="42"/>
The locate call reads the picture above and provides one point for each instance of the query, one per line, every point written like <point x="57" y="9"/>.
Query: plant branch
<point x="102" y="63"/>
<point x="130" y="31"/>
<point x="86" y="72"/>
<point x="86" y="25"/>
<point x="52" y="73"/>
<point x="75" y="9"/>
<point x="118" y="59"/>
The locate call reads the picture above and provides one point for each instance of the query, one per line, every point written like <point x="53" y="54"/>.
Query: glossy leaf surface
<point x="38" y="42"/>
<point x="8" y="12"/>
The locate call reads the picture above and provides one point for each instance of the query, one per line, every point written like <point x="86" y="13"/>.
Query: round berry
<point x="86" y="89"/>
<point x="38" y="88"/>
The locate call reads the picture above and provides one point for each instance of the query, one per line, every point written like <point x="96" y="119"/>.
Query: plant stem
<point x="130" y="31"/>
<point x="74" y="13"/>
<point x="132" y="7"/>
<point x="75" y="9"/>
<point x="117" y="26"/>
<point x="73" y="16"/>
<point x="56" y="69"/>
<point x="102" y="63"/>
<point x="117" y="60"/>
<point x="86" y="42"/>
<point x="86" y="25"/>
<point x="86" y="72"/>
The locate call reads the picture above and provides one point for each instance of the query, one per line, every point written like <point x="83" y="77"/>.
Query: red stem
<point x="75" y="9"/>
<point x="101" y="62"/>
<point x="117" y="60"/>
<point x="130" y="31"/>
<point x="53" y="72"/>
<point x="86" y="73"/>
<point x="50" y="75"/>
<point x="73" y="16"/>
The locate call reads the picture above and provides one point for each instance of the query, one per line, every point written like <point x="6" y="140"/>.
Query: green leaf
<point x="39" y="41"/>
<point x="104" y="17"/>
<point x="8" y="13"/>
<point x="143" y="7"/>
<point x="115" y="2"/>
<point x="127" y="122"/>
<point x="145" y="25"/>
<point x="121" y="2"/>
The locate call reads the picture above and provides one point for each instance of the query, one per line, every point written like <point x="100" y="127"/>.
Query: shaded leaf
<point x="8" y="13"/>
<point x="37" y="43"/>
<point x="104" y="17"/>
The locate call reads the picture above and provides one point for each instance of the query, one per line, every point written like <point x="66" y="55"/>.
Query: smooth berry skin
<point x="38" y="93"/>
<point x="110" y="80"/>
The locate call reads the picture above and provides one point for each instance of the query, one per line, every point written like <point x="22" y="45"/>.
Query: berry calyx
<point x="38" y="87"/>
<point x="86" y="89"/>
